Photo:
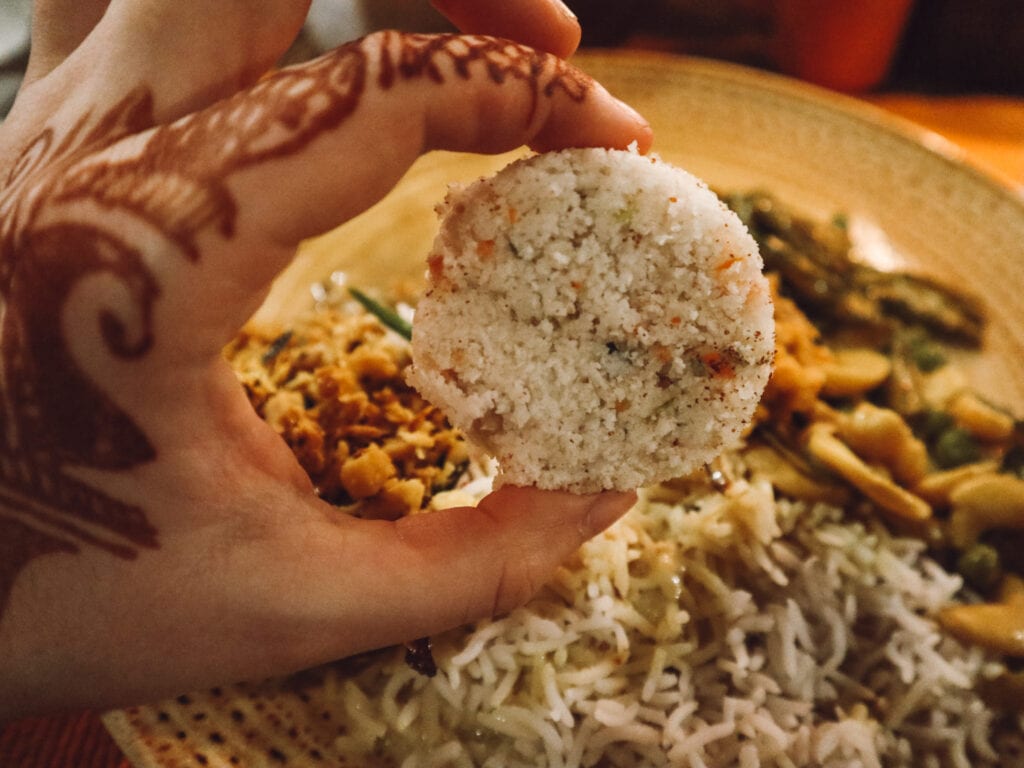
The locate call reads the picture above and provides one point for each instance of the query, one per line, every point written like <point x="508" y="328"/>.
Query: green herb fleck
<point x="929" y="425"/>
<point x="625" y="215"/>
<point x="275" y="347"/>
<point x="387" y="316"/>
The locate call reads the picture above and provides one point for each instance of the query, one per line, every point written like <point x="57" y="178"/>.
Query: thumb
<point x="437" y="570"/>
<point x="510" y="544"/>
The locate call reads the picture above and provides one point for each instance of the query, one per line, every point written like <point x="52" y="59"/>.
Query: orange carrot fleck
<point x="484" y="248"/>
<point x="733" y="259"/>
<point x="435" y="264"/>
<point x="719" y="366"/>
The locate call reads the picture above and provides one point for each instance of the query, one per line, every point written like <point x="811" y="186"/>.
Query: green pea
<point x="927" y="356"/>
<point x="955" y="447"/>
<point x="929" y="425"/>
<point x="979" y="565"/>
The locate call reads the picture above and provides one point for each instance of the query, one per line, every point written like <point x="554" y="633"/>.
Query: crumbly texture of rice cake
<point x="595" y="319"/>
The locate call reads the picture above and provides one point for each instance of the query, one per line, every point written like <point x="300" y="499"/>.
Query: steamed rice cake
<point x="594" y="319"/>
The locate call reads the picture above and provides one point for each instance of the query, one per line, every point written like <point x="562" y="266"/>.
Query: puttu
<point x="594" y="319"/>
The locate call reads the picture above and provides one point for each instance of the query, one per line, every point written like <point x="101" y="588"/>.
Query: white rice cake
<point x="595" y="319"/>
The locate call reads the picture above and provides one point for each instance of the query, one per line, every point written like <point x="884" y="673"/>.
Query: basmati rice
<point x="744" y="630"/>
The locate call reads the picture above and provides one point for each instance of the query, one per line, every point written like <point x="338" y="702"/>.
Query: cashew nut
<point x="997" y="626"/>
<point x="979" y="418"/>
<point x="881" y="435"/>
<point x="824" y="446"/>
<point x="854" y="371"/>
<point x="989" y="501"/>
<point x="936" y="487"/>
<point x="770" y="464"/>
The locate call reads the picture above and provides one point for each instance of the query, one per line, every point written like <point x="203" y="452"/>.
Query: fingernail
<point x="630" y="110"/>
<point x="565" y="10"/>
<point x="641" y="133"/>
<point x="605" y="510"/>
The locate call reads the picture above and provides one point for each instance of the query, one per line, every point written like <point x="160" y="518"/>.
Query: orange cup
<point x="844" y="46"/>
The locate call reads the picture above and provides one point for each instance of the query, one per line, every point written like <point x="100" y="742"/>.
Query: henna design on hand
<point x="411" y="56"/>
<point x="54" y="418"/>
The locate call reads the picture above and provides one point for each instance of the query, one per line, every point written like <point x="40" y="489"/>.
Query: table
<point x="74" y="740"/>
<point x="990" y="131"/>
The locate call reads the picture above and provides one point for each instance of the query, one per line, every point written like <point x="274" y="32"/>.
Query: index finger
<point x="547" y="25"/>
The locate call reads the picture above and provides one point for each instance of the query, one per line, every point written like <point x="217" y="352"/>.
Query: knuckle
<point x="519" y="580"/>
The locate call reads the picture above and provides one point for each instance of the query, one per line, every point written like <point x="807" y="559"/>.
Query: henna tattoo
<point x="410" y="56"/>
<point x="54" y="418"/>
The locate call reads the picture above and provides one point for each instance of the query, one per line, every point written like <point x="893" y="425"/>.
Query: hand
<point x="155" y="535"/>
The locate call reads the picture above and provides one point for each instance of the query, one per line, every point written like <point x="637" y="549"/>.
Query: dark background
<point x="946" y="46"/>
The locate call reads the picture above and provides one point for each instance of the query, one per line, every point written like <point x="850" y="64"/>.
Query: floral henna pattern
<point x="418" y="56"/>
<point x="54" y="419"/>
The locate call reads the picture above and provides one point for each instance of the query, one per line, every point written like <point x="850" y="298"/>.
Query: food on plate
<point x="332" y="386"/>
<point x="594" y="319"/>
<point x="841" y="589"/>
<point x="902" y="427"/>
<point x="813" y="259"/>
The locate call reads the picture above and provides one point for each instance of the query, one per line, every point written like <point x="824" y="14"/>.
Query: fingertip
<point x="605" y="509"/>
<point x="644" y="135"/>
<point x="478" y="561"/>
<point x="572" y="35"/>
<point x="615" y="125"/>
<point x="591" y="513"/>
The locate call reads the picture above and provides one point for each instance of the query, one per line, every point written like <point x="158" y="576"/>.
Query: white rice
<point x="715" y="629"/>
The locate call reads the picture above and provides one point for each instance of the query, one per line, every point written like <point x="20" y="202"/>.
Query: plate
<point x="737" y="128"/>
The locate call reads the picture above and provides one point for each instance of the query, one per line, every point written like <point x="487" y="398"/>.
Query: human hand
<point x="155" y="535"/>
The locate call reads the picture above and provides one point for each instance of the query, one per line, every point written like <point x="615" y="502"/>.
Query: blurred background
<point x="929" y="46"/>
<point x="936" y="46"/>
<point x="940" y="46"/>
<point x="954" y="66"/>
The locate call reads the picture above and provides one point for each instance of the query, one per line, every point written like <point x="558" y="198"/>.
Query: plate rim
<point x="850" y="106"/>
